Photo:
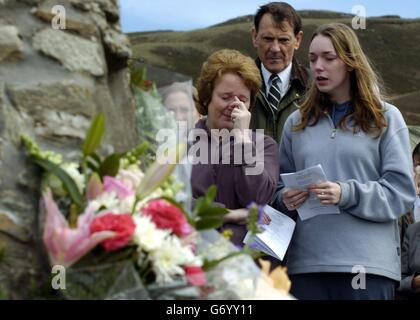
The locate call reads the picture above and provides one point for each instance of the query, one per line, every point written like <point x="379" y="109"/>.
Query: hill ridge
<point x="391" y="42"/>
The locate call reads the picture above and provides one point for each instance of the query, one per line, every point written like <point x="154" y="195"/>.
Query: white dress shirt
<point x="284" y="79"/>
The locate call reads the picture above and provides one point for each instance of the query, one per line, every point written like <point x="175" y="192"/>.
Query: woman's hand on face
<point x="240" y="115"/>
<point x="293" y="199"/>
<point x="327" y="192"/>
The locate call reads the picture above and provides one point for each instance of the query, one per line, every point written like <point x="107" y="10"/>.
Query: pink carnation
<point x="167" y="216"/>
<point x="122" y="224"/>
<point x="195" y="275"/>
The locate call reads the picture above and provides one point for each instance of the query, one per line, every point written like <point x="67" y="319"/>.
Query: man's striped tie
<point x="274" y="94"/>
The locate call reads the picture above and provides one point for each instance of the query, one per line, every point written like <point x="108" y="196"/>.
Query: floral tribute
<point x="106" y="217"/>
<point x="121" y="226"/>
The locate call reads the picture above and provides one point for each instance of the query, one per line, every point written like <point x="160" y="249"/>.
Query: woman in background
<point x="363" y="146"/>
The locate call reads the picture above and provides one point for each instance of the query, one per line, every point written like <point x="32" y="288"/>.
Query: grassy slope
<point x="409" y="104"/>
<point x="392" y="44"/>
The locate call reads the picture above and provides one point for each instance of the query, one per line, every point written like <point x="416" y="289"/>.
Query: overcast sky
<point x="183" y="15"/>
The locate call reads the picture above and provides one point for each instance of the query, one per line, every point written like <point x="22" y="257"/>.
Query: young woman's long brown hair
<point x="365" y="87"/>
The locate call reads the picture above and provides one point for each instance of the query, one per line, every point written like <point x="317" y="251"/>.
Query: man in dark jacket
<point x="276" y="34"/>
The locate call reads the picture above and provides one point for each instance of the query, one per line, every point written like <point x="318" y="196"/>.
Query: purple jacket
<point x="235" y="188"/>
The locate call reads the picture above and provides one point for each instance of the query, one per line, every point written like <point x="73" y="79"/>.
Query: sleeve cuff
<point x="276" y="200"/>
<point x="345" y="194"/>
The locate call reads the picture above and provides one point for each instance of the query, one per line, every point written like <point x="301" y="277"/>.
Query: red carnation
<point x="122" y="224"/>
<point x="195" y="275"/>
<point x="167" y="216"/>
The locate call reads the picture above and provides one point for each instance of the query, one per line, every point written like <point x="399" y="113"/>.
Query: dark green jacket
<point x="262" y="117"/>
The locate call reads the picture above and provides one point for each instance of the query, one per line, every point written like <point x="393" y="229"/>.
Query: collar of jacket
<point x="299" y="75"/>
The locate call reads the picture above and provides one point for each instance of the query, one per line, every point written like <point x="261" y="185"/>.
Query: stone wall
<point x="52" y="82"/>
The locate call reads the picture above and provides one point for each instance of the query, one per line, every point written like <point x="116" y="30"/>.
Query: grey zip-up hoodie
<point x="375" y="175"/>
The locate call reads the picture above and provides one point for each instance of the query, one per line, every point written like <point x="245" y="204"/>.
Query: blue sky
<point x="183" y="15"/>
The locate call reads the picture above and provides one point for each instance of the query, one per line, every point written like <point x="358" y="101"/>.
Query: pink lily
<point x="114" y="185"/>
<point x="66" y="245"/>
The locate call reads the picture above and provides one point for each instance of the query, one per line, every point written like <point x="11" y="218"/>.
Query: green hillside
<point x="393" y="45"/>
<point x="409" y="104"/>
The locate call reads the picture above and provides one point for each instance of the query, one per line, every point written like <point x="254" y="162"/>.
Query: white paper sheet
<point x="299" y="180"/>
<point x="275" y="238"/>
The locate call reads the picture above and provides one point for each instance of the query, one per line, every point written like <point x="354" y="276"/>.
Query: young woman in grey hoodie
<point x="363" y="146"/>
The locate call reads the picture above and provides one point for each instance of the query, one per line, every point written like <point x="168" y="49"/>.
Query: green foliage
<point x="68" y="183"/>
<point x="134" y="155"/>
<point x="110" y="166"/>
<point x="33" y="149"/>
<point x="94" y="135"/>
<point x="253" y="218"/>
<point x="93" y="162"/>
<point x="255" y="254"/>
<point x="206" y="214"/>
<point x="51" y="162"/>
<point x="138" y="77"/>
<point x="208" y="264"/>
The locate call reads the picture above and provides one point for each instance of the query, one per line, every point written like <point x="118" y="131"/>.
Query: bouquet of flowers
<point x="115" y="228"/>
<point x="151" y="114"/>
<point x="121" y="226"/>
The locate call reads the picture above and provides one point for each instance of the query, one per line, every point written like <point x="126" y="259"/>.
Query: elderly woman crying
<point x="243" y="164"/>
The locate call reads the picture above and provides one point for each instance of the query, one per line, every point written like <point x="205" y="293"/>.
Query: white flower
<point x="107" y="200"/>
<point x="130" y="177"/>
<point x="126" y="205"/>
<point x="72" y="169"/>
<point x="111" y="202"/>
<point x="168" y="260"/>
<point x="147" y="236"/>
